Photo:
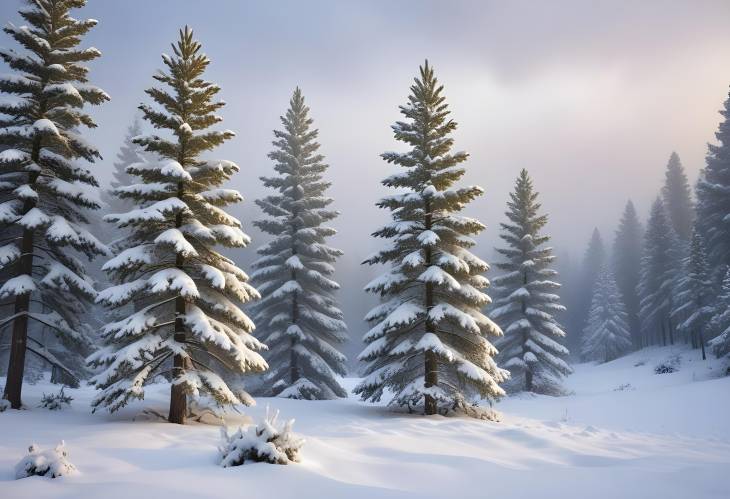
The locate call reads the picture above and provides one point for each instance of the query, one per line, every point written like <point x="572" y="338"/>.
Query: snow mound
<point x="268" y="442"/>
<point x="52" y="463"/>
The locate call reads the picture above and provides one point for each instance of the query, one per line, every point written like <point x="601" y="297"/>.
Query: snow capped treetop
<point x="430" y="319"/>
<point x="168" y="261"/>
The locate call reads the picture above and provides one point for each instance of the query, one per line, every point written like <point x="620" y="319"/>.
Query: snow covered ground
<point x="665" y="435"/>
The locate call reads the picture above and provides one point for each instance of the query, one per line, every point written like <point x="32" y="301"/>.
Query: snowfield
<point x="664" y="436"/>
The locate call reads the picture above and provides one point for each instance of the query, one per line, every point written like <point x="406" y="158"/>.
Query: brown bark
<point x="178" y="398"/>
<point x="430" y="361"/>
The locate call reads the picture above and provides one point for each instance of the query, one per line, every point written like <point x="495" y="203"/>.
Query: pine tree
<point x="526" y="299"/>
<point x="713" y="202"/>
<point x="659" y="268"/>
<point x="129" y="154"/>
<point x="298" y="317"/>
<point x="606" y="336"/>
<point x="719" y="325"/>
<point x="627" y="247"/>
<point x="43" y="191"/>
<point x="429" y="343"/>
<point x="694" y="295"/>
<point x="593" y="260"/>
<point x="677" y="198"/>
<point x="169" y="261"/>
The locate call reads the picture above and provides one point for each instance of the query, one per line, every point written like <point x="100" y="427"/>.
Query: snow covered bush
<point x="430" y="342"/>
<point x="668" y="366"/>
<point x="298" y="316"/>
<point x="4" y="405"/>
<point x="56" y="402"/>
<point x="268" y="442"/>
<point x="51" y="463"/>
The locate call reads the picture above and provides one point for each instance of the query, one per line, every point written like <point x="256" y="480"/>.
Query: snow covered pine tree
<point x="169" y="260"/>
<point x="606" y="336"/>
<point x="525" y="298"/>
<point x="298" y="317"/>
<point x="626" y="263"/>
<point x="720" y="323"/>
<point x="129" y="154"/>
<point x="429" y="344"/>
<point x="42" y="192"/>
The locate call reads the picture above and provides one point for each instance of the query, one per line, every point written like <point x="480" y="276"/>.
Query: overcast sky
<point x="590" y="97"/>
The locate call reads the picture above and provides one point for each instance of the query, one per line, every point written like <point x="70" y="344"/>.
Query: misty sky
<point x="590" y="97"/>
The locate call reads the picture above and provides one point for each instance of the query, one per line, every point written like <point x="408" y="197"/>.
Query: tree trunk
<point x="671" y="331"/>
<point x="178" y="398"/>
<point x="430" y="362"/>
<point x="293" y="367"/>
<point x="701" y="340"/>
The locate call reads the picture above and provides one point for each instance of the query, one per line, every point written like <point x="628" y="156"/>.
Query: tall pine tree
<point x="713" y="202"/>
<point x="43" y="189"/>
<point x="429" y="344"/>
<point x="660" y="264"/>
<point x="191" y="318"/>
<point x="693" y="300"/>
<point x="606" y="335"/>
<point x="526" y="298"/>
<point x="593" y="260"/>
<point x="298" y="317"/>
<point x="677" y="197"/>
<point x="626" y="260"/>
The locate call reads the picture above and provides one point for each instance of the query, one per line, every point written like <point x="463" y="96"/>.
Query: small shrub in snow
<point x="668" y="366"/>
<point x="56" y="401"/>
<point x="4" y="405"/>
<point x="52" y="463"/>
<point x="626" y="387"/>
<point x="267" y="442"/>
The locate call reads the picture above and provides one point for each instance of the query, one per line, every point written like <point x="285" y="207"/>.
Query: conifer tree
<point x="298" y="317"/>
<point x="694" y="295"/>
<point x="660" y="264"/>
<point x="593" y="260"/>
<point x="43" y="188"/>
<point x="719" y="325"/>
<point x="129" y="154"/>
<point x="429" y="344"/>
<point x="168" y="260"/>
<point x="713" y="202"/>
<point x="677" y="197"/>
<point x="627" y="247"/>
<point x="526" y="297"/>
<point x="606" y="336"/>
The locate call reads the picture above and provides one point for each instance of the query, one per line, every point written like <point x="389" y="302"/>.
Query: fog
<point x="590" y="97"/>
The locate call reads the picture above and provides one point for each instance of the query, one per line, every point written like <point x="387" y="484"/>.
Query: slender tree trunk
<point x="293" y="367"/>
<point x="671" y="331"/>
<point x="178" y="397"/>
<point x="19" y="339"/>
<point x="430" y="362"/>
<point x="701" y="340"/>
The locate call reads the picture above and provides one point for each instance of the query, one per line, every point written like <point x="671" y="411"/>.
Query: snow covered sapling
<point x="526" y="301"/>
<point x="56" y="401"/>
<point x="429" y="345"/>
<point x="606" y="336"/>
<point x="51" y="463"/>
<point x="298" y="317"/>
<point x="268" y="442"/>
<point x="168" y="261"/>
<point x="43" y="191"/>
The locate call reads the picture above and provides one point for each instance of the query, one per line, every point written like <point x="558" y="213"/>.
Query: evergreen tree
<point x="713" y="202"/>
<point x="168" y="260"/>
<point x="593" y="261"/>
<point x="429" y="343"/>
<point x="627" y="267"/>
<point x="719" y="325"/>
<point x="606" y="336"/>
<point x="659" y="268"/>
<point x="677" y="198"/>
<point x="694" y="295"/>
<point x="298" y="317"/>
<point x="526" y="299"/>
<point x="128" y="155"/>
<point x="43" y="191"/>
